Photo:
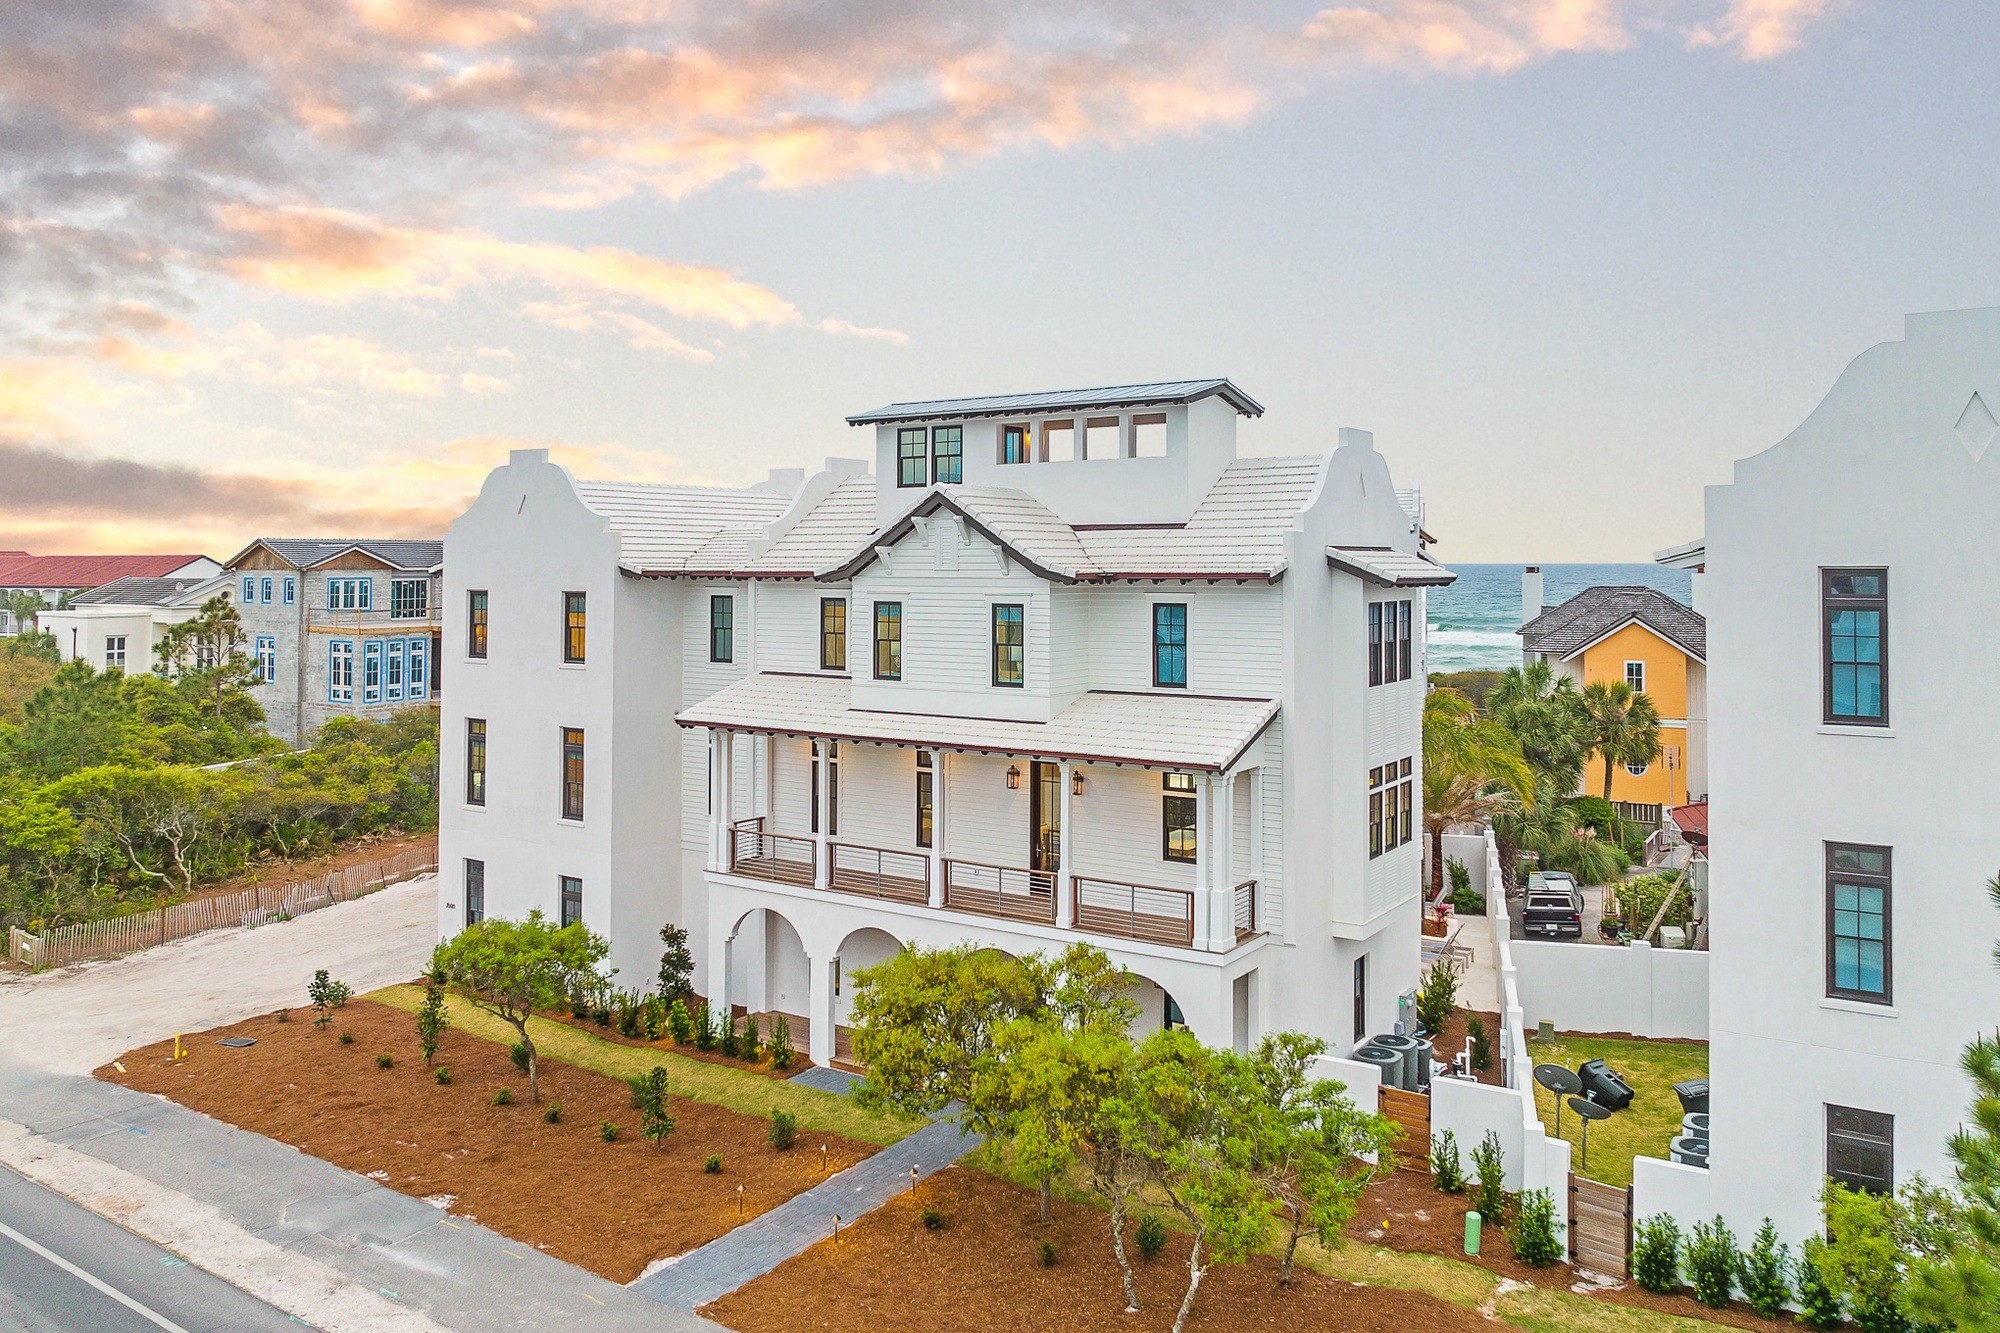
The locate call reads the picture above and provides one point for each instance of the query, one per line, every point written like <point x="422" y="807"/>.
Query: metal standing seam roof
<point x="1566" y="630"/>
<point x="661" y="527"/>
<point x="1163" y="393"/>
<point x="308" y="552"/>
<point x="1164" y="730"/>
<point x="130" y="591"/>
<point x="1389" y="567"/>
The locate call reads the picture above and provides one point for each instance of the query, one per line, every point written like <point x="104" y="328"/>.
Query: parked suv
<point x="1554" y="908"/>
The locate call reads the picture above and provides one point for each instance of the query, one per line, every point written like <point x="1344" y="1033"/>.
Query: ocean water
<point x="1473" y="621"/>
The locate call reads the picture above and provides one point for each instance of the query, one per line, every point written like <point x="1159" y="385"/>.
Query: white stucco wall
<point x="1638" y="989"/>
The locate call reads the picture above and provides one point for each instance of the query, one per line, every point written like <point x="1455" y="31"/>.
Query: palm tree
<point x="1547" y="717"/>
<point x="1472" y="770"/>
<point x="1624" y="726"/>
<point x="1549" y="828"/>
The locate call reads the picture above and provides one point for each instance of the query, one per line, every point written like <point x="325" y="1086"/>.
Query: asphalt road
<point x="66" y="1270"/>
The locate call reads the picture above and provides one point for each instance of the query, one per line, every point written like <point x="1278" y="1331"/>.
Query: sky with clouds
<point x="313" y="266"/>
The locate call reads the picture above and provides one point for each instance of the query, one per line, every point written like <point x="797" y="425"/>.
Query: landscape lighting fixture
<point x="1013" y="778"/>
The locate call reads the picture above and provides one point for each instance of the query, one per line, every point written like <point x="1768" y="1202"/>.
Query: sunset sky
<point x="310" y="267"/>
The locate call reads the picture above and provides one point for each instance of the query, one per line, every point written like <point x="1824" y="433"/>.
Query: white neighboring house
<point x="1063" y="667"/>
<point x="1850" y="571"/>
<point x="119" y="624"/>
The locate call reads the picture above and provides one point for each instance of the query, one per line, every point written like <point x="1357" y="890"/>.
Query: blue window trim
<point x="267" y="587"/>
<point x="291" y="590"/>
<point x="249" y="589"/>
<point x="1170" y="646"/>
<point x="392" y="670"/>
<point x="267" y="659"/>
<point x="371" y="671"/>
<point x="340" y="671"/>
<point x="417" y="685"/>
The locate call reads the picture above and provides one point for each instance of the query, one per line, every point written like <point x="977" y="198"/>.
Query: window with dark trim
<point x="722" y="628"/>
<point x="475" y="891"/>
<point x="833" y="634"/>
<point x="948" y="455"/>
<point x="1177" y="817"/>
<point x="572" y="772"/>
<point x="1858" y="923"/>
<point x="475" y="623"/>
<point x="1374" y="643"/>
<point x="832" y="788"/>
<point x="574" y="624"/>
<point x="475" y="761"/>
<point x="1854" y="618"/>
<point x="1861" y="1149"/>
<point x="888" y="640"/>
<point x="1389" y="640"/>
<point x="1392" y="805"/>
<point x="1170" y="645"/>
<point x="1403" y="640"/>
<point x="1361" y="998"/>
<point x="1013" y="444"/>
<point x="926" y="799"/>
<point x="912" y="463"/>
<point x="571" y="892"/>
<point x="1010" y="666"/>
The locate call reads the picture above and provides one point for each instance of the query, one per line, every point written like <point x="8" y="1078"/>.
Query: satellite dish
<point x="1587" y="1111"/>
<point x="1557" y="1079"/>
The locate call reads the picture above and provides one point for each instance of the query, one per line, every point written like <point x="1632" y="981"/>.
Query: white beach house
<point x="1061" y="667"/>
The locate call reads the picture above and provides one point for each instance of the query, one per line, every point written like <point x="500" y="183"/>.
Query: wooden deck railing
<point x="903" y="877"/>
<point x="1002" y="891"/>
<point x="1134" y="911"/>
<point x="771" y="856"/>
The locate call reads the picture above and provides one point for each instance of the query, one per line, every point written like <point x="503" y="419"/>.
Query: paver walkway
<point x="761" y="1244"/>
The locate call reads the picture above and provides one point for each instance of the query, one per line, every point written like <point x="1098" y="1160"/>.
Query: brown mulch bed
<point x="689" y="1051"/>
<point x="1451" y="1042"/>
<point x="983" y="1270"/>
<point x="609" y="1207"/>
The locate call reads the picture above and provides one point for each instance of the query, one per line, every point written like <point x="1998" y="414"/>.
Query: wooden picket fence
<point x="121" y="935"/>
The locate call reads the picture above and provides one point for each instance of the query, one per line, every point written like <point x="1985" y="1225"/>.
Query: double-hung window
<point x="1857" y="923"/>
<point x="1635" y="677"/>
<point x="888" y="640"/>
<point x="1861" y="1149"/>
<point x="926" y="799"/>
<point x="392" y="670"/>
<point x="1392" y="807"/>
<point x="418" y="686"/>
<point x="1170" y="644"/>
<point x="1388" y="642"/>
<point x="1010" y="666"/>
<point x="572" y="772"/>
<point x="340" y="671"/>
<point x="350" y="594"/>
<point x="833" y="634"/>
<point x="249" y="589"/>
<point x="831" y="766"/>
<point x="266" y="586"/>
<point x="475" y="891"/>
<point x="475" y="761"/>
<point x="409" y="599"/>
<point x="267" y="659"/>
<point x="912" y="464"/>
<point x="1177" y="817"/>
<point x="574" y="624"/>
<point x="722" y="628"/>
<point x="1854" y="616"/>
<point x="570" y="888"/>
<point x="475" y="623"/>
<point x="291" y="590"/>
<point x="114" y="652"/>
<point x="948" y="455"/>
<point x="371" y="671"/>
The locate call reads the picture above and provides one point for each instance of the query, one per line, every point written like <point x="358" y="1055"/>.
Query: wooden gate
<point x="1411" y="1113"/>
<point x="1600" y="1227"/>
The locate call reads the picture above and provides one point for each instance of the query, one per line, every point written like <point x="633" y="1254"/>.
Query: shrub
<point x="1465" y="900"/>
<point x="727" y="1043"/>
<point x="1762" y="1274"/>
<point x="680" y="1023"/>
<point x="676" y="964"/>
<point x="1639" y="900"/>
<point x="704" y="1028"/>
<point x="637" y="1082"/>
<point x="1819" y="1306"/>
<point x="747" y="1045"/>
<point x="552" y="1114"/>
<point x="442" y="1073"/>
<point x="432" y="1019"/>
<point x="1593" y="812"/>
<point x="628" y="1017"/>
<point x="579" y="1004"/>
<point x="1048" y="1253"/>
<point x="326" y="995"/>
<point x="933" y="1219"/>
<point x="781" y="1042"/>
<point x="1447" y="1171"/>
<point x="653" y="1018"/>
<point x="607" y="1131"/>
<point x="600" y="1012"/>
<point x="283" y="1015"/>
<point x="712" y="1164"/>
<point x="1482" y="1042"/>
<point x="1437" y="993"/>
<point x="1535" y="1241"/>
<point x="1656" y="1255"/>
<point x="1712" y="1262"/>
<point x="651" y="1093"/>
<point x="784" y="1130"/>
<point x="1152" y="1237"/>
<point x="347" y="1039"/>
<point x="1489" y="1168"/>
<point x="384" y="1060"/>
<point x="504" y="1097"/>
<point x="518" y="1053"/>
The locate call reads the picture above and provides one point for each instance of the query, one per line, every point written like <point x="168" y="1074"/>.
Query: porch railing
<point x="1002" y="891"/>
<point x="1246" y="908"/>
<point x="903" y="877"/>
<point x="771" y="856"/>
<point x="1134" y="911"/>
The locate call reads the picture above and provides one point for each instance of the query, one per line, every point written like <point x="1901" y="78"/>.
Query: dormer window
<point x="912" y="461"/>
<point x="948" y="455"/>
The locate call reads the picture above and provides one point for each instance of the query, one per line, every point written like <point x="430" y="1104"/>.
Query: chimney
<point x="1531" y="593"/>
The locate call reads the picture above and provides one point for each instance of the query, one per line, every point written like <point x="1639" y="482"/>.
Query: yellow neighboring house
<point x="1660" y="648"/>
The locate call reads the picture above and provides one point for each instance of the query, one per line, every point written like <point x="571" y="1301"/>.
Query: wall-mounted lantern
<point x="1013" y="778"/>
<point x="1076" y="784"/>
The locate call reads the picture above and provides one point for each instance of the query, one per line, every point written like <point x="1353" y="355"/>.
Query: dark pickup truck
<point x="1554" y="908"/>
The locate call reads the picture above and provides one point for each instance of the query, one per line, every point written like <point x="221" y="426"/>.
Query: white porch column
<point x="1257" y="840"/>
<point x="820" y="1021"/>
<point x="1204" y="858"/>
<point x="725" y="789"/>
<point x="1066" y="860"/>
<point x="940" y="821"/>
<point x="822" y="749"/>
<point x="727" y="985"/>
<point x="718" y="855"/>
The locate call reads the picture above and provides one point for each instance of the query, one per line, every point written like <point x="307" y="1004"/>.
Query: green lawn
<point x="1643" y="1129"/>
<point x="738" y="1089"/>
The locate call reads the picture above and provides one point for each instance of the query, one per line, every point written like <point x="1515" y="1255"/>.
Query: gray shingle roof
<point x="661" y="528"/>
<point x="395" y="552"/>
<point x="131" y="591"/>
<point x="1565" y="630"/>
<point x="1056" y="400"/>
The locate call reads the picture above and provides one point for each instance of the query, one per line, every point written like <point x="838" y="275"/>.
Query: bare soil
<point x="1451" y="1042"/>
<point x="609" y="1207"/>
<point x="983" y="1270"/>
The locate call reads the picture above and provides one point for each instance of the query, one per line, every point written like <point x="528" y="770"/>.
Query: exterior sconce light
<point x="1076" y="784"/>
<point x="1013" y="778"/>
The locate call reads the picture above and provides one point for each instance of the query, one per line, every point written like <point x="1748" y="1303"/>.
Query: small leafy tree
<point x="1819" y="1303"/>
<point x="680" y="1023"/>
<point x="783" y="1130"/>
<point x="1535" y="1239"/>
<point x="326" y="995"/>
<point x="650" y="1092"/>
<point x="704" y="1028"/>
<point x="676" y="965"/>
<point x="512" y="969"/>
<point x="1489" y="1168"/>
<point x="1437" y="993"/>
<point x="432" y="1019"/>
<point x="781" y="1042"/>
<point x="1447" y="1168"/>
<point x="748" y="1045"/>
<point x="1712" y="1262"/>
<point x="1656" y="1255"/>
<point x="1762" y="1274"/>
